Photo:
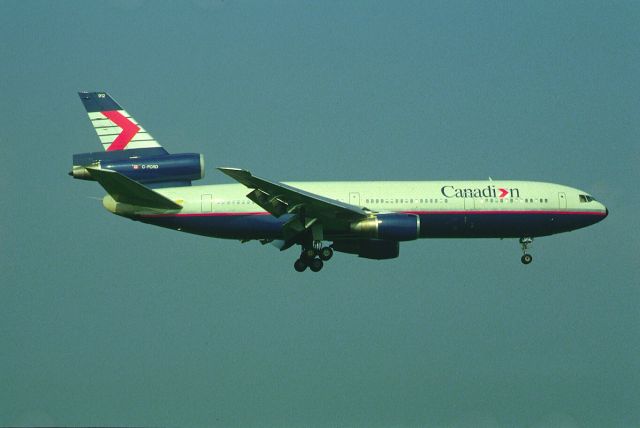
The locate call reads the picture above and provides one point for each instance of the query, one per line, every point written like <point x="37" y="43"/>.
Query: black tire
<point x="300" y="265"/>
<point x="308" y="253"/>
<point x="316" y="265"/>
<point x="526" y="259"/>
<point x="326" y="253"/>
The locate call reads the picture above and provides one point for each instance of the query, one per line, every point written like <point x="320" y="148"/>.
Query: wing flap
<point x="272" y="204"/>
<point x="278" y="198"/>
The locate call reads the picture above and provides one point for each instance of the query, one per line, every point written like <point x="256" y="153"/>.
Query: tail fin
<point x="116" y="129"/>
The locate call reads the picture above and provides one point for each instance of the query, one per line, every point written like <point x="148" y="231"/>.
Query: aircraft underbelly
<point x="472" y="225"/>
<point x="501" y="225"/>
<point x="432" y="225"/>
<point x="227" y="226"/>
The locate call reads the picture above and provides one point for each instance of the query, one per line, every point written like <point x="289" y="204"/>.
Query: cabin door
<point x="206" y="203"/>
<point x="354" y="198"/>
<point x="562" y="200"/>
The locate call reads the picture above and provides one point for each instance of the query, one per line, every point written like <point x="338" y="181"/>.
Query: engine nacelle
<point x="389" y="227"/>
<point x="369" y="248"/>
<point x="179" y="169"/>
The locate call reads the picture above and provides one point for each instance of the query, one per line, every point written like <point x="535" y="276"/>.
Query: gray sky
<point x="105" y="321"/>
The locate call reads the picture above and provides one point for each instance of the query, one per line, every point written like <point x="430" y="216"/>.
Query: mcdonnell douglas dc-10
<point x="367" y="218"/>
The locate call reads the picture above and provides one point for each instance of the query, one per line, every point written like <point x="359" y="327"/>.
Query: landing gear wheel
<point x="300" y="265"/>
<point x="524" y="244"/>
<point x="308" y="253"/>
<point x="326" y="253"/>
<point x="316" y="265"/>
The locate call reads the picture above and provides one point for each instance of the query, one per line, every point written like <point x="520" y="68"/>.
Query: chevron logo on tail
<point x="129" y="129"/>
<point x="116" y="129"/>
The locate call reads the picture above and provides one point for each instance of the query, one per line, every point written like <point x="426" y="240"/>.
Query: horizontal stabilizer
<point x="127" y="191"/>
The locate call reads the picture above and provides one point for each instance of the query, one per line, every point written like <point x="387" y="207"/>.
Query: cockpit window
<point x="586" y="198"/>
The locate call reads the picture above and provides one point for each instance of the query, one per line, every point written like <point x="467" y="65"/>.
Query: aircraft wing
<point x="279" y="199"/>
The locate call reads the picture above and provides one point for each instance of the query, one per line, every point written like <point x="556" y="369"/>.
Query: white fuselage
<point x="446" y="208"/>
<point x="405" y="196"/>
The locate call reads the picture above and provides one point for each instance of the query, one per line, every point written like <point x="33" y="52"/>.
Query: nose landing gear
<point x="524" y="244"/>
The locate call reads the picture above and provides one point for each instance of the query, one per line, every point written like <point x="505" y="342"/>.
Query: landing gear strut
<point x="313" y="257"/>
<point x="524" y="244"/>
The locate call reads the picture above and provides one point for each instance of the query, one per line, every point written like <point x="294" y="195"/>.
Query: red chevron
<point x="503" y="192"/>
<point x="129" y="130"/>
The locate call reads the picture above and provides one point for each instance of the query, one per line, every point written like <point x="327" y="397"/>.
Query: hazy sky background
<point x="105" y="321"/>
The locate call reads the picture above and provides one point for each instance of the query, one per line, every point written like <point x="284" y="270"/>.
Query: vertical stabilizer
<point x="116" y="129"/>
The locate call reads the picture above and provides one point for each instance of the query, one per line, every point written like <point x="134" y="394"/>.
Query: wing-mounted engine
<point x="376" y="249"/>
<point x="380" y="235"/>
<point x="389" y="227"/>
<point x="155" y="168"/>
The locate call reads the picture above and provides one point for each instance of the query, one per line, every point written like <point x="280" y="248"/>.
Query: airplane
<point x="369" y="219"/>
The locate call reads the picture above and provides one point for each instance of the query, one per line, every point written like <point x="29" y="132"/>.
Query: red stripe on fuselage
<point x="471" y="212"/>
<point x="207" y="214"/>
<point x="129" y="129"/>
<point x="236" y="214"/>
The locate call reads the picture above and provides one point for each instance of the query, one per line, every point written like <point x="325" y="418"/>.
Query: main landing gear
<point x="524" y="244"/>
<point x="313" y="258"/>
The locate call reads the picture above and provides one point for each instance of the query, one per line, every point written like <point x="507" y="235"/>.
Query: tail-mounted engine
<point x="147" y="166"/>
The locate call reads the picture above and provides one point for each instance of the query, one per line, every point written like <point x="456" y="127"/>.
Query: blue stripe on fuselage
<point x="502" y="225"/>
<point x="433" y="224"/>
<point x="228" y="225"/>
